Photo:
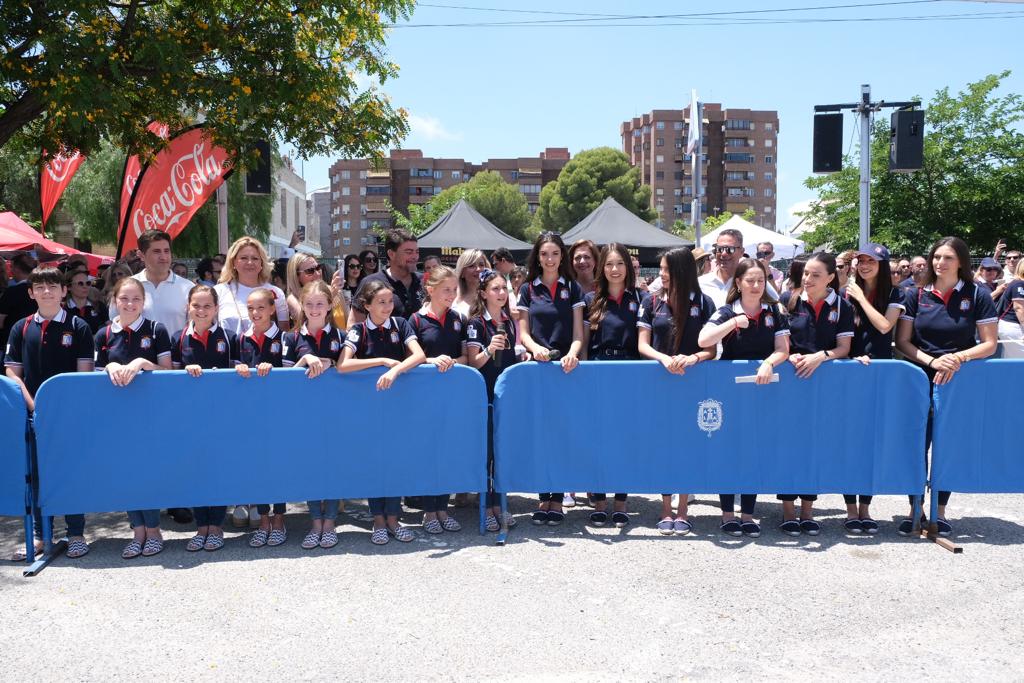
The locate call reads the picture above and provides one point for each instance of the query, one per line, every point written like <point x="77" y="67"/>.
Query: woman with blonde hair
<point x="467" y="271"/>
<point x="246" y="268"/>
<point x="303" y="269"/>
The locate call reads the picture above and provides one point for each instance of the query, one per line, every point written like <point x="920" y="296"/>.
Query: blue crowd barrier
<point x="171" y="440"/>
<point x="14" y="449"/>
<point x="633" y="427"/>
<point x="976" y="444"/>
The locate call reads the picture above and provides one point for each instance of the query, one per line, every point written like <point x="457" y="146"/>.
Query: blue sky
<point x="480" y="92"/>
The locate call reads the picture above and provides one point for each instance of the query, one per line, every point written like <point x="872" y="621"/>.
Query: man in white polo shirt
<point x="166" y="293"/>
<point x="728" y="251"/>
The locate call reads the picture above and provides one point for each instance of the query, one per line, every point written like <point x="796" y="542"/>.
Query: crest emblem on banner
<point x="709" y="416"/>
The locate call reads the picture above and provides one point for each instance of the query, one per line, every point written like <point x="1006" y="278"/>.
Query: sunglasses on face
<point x="724" y="250"/>
<point x="991" y="270"/>
<point x="370" y="259"/>
<point x="354" y="266"/>
<point x="311" y="270"/>
<point x="83" y="283"/>
<point x="842" y="266"/>
<point x="764" y="254"/>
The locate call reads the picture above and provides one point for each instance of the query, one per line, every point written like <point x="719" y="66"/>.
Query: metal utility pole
<point x="695" y="148"/>
<point x="222" y="218"/>
<point x="865" y="108"/>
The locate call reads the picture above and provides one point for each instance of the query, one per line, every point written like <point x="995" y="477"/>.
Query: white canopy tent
<point x="785" y="247"/>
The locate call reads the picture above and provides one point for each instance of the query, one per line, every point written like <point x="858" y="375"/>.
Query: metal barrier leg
<point x="503" y="531"/>
<point x="932" y="532"/>
<point x="483" y="513"/>
<point x="50" y="549"/>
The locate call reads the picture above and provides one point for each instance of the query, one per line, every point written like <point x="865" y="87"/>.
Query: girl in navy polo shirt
<point x="317" y="345"/>
<point x="491" y="347"/>
<point x="261" y="347"/>
<point x="610" y="333"/>
<point x="388" y="341"/>
<point x="204" y="345"/>
<point x="675" y="344"/>
<point x="821" y="329"/>
<point x="877" y="305"/>
<point x="125" y="347"/>
<point x="750" y="326"/>
<point x="441" y="331"/>
<point x="939" y="328"/>
<point x="551" y="319"/>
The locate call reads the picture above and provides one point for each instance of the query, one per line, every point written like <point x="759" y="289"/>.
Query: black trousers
<point x="727" y="501"/>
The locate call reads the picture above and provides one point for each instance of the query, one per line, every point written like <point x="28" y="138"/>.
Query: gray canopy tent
<point x="462" y="227"/>
<point x="611" y="222"/>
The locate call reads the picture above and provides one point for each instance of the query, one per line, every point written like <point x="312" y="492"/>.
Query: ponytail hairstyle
<point x="829" y="261"/>
<point x="268" y="297"/>
<point x="314" y="287"/>
<point x="682" y="282"/>
<point x="600" y="301"/>
<point x="742" y="267"/>
<point x="479" y="305"/>
<point x="366" y="293"/>
<point x="434" y="277"/>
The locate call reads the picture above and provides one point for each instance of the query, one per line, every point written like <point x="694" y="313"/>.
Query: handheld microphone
<point x="554" y="354"/>
<point x="498" y="358"/>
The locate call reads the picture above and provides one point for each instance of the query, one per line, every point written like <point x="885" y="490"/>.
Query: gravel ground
<point x="553" y="603"/>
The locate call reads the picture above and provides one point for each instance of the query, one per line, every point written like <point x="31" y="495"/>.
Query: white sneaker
<point x="240" y="516"/>
<point x="568" y="501"/>
<point x="254" y="516"/>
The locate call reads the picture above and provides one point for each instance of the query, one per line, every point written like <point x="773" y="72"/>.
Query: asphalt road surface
<point x="569" y="602"/>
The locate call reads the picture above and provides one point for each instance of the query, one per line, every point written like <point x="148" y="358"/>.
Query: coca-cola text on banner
<point x="173" y="186"/>
<point x="54" y="177"/>
<point x="132" y="168"/>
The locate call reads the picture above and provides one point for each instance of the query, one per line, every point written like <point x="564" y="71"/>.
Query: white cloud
<point x="431" y="129"/>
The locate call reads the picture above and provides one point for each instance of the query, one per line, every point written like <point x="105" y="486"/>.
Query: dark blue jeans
<point x="436" y="503"/>
<point x="144" y="518"/>
<point x="75" y="523"/>
<point x="210" y="516"/>
<point x="388" y="507"/>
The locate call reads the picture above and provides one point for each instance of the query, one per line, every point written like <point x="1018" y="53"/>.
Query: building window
<point x="379" y="189"/>
<point x="335" y="226"/>
<point x="334" y="195"/>
<point x="346" y="225"/>
<point x="688" y="191"/>
<point x="362" y="209"/>
<point x="737" y="158"/>
<point x="678" y="175"/>
<point x="768" y="175"/>
<point x="677" y="192"/>
<point x="660" y="142"/>
<point x="767" y="143"/>
<point x="345" y="175"/>
<point x="659" y="159"/>
<point x="438" y="175"/>
<point x="346" y="241"/>
<point x="679" y="143"/>
<point x="660" y="125"/>
<point x="767" y="209"/>
<point x="738" y="124"/>
<point x="659" y="175"/>
<point x="660" y="191"/>
<point x="362" y="191"/>
<point x="661" y="208"/>
<point x="677" y="125"/>
<point x="346" y="191"/>
<point x="768" y="192"/>
<point x="769" y="126"/>
<point x="647" y="129"/>
<point x="677" y="209"/>
<point x="345" y="209"/>
<point x="769" y="160"/>
<point x="337" y="243"/>
<point x="456" y="175"/>
<point x="362" y="175"/>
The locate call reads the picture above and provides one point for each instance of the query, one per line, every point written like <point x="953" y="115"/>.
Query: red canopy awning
<point x="17" y="235"/>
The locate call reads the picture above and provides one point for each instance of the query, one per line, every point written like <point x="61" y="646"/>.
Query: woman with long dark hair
<point x="877" y="305"/>
<point x="551" y="322"/>
<point x="669" y="325"/>
<point x="370" y="262"/>
<point x="351" y="276"/>
<point x="610" y="333"/>
<point x="938" y="331"/>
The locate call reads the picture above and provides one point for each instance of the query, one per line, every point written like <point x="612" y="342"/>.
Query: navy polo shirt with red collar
<point x="142" y="339"/>
<point x="757" y="340"/>
<point x="1014" y="292"/>
<point x="325" y="344"/>
<point x="481" y="330"/>
<point x="867" y="339"/>
<point x="444" y="336"/>
<point x="946" y="322"/>
<point x="656" y="316"/>
<point x="94" y="316"/>
<point x="368" y="340"/>
<point x="268" y="347"/>
<point x="43" y="348"/>
<point x="551" y="311"/>
<point x="616" y="335"/>
<point x="216" y="348"/>
<point x="819" y="327"/>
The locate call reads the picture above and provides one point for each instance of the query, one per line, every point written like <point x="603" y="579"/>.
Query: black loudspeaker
<point x="828" y="143"/>
<point x="906" y="144"/>
<point x="257" y="180"/>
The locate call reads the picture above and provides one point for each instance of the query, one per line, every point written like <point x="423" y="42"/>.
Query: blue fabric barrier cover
<point x="169" y="439"/>
<point x="976" y="443"/>
<point x="13" y="458"/>
<point x="633" y="427"/>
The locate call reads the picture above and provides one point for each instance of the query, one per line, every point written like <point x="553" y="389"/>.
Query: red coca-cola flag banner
<point x="54" y="178"/>
<point x="173" y="186"/>
<point x="132" y="168"/>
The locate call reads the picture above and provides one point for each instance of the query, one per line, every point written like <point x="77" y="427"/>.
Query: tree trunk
<point x="19" y="114"/>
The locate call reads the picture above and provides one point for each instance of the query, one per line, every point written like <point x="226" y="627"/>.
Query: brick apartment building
<point x="360" y="193"/>
<point x="740" y="148"/>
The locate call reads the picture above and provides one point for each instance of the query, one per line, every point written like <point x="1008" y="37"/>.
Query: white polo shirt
<point x="166" y="303"/>
<point x="717" y="289"/>
<point x="232" y="310"/>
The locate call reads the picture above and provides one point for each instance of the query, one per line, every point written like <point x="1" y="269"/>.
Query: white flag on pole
<point x="693" y="140"/>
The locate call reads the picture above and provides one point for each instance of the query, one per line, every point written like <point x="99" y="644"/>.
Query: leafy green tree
<point x="498" y="201"/>
<point x="73" y="72"/>
<point x="93" y="197"/>
<point x="971" y="185"/>
<point x="588" y="179"/>
<point x="714" y="222"/>
<point x="19" y="184"/>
